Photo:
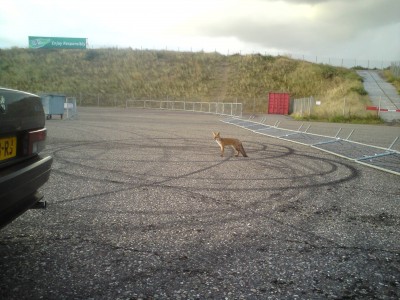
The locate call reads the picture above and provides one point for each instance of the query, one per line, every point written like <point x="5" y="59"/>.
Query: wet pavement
<point x="142" y="206"/>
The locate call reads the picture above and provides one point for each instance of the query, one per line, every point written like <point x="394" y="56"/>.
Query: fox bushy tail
<point x="241" y="149"/>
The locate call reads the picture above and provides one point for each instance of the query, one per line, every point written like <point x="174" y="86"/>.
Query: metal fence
<point x="70" y="108"/>
<point x="386" y="159"/>
<point x="395" y="69"/>
<point x="304" y="106"/>
<point x="221" y="108"/>
<point x="344" y="62"/>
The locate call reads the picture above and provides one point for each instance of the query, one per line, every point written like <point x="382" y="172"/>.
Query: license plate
<point x="8" y="147"/>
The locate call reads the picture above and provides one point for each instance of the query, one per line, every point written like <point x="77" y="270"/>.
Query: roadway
<point x="382" y="94"/>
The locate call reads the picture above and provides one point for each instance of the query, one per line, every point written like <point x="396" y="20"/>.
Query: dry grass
<point x="390" y="77"/>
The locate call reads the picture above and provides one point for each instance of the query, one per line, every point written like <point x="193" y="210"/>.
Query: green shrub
<point x="359" y="90"/>
<point x="328" y="72"/>
<point x="91" y="55"/>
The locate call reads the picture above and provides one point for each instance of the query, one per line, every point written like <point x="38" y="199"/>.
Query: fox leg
<point x="222" y="151"/>
<point x="237" y="148"/>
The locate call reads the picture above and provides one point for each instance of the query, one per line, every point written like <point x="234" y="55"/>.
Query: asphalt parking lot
<point x="141" y="206"/>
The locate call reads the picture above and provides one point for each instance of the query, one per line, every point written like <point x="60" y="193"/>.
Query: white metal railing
<point x="70" y="108"/>
<point x="303" y="106"/>
<point x="221" y="108"/>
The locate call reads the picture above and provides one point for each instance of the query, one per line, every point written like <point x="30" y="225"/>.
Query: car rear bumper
<point x="18" y="188"/>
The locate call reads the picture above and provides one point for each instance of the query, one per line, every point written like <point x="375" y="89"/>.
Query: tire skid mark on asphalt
<point x="296" y="172"/>
<point x="289" y="152"/>
<point x="292" y="186"/>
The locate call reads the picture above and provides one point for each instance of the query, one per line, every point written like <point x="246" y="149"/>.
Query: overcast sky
<point x="334" y="29"/>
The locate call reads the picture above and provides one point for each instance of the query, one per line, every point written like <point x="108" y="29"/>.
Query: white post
<point x="301" y="108"/>
<point x="344" y="106"/>
<point x="66" y="99"/>
<point x="379" y="106"/>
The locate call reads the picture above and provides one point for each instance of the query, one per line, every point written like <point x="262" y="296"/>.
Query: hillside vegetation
<point x="111" y="76"/>
<point x="392" y="78"/>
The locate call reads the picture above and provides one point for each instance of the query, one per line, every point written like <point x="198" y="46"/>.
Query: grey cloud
<point x="304" y="1"/>
<point x="337" y="22"/>
<point x="371" y="14"/>
<point x="311" y="2"/>
<point x="282" y="36"/>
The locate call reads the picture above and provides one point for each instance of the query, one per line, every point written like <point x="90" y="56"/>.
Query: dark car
<point x="22" y="137"/>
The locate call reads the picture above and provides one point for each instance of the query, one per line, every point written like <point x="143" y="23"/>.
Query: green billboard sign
<point x="36" y="42"/>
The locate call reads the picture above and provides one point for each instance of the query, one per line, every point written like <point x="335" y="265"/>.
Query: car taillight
<point x="35" y="141"/>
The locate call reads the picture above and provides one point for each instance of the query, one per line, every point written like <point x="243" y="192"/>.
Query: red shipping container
<point x="278" y="103"/>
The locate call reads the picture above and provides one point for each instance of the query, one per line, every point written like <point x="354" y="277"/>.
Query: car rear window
<point x="20" y="111"/>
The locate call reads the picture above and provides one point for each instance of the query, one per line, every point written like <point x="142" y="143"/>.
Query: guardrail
<point x="380" y="109"/>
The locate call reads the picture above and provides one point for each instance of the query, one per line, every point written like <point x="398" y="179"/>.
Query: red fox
<point x="235" y="143"/>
